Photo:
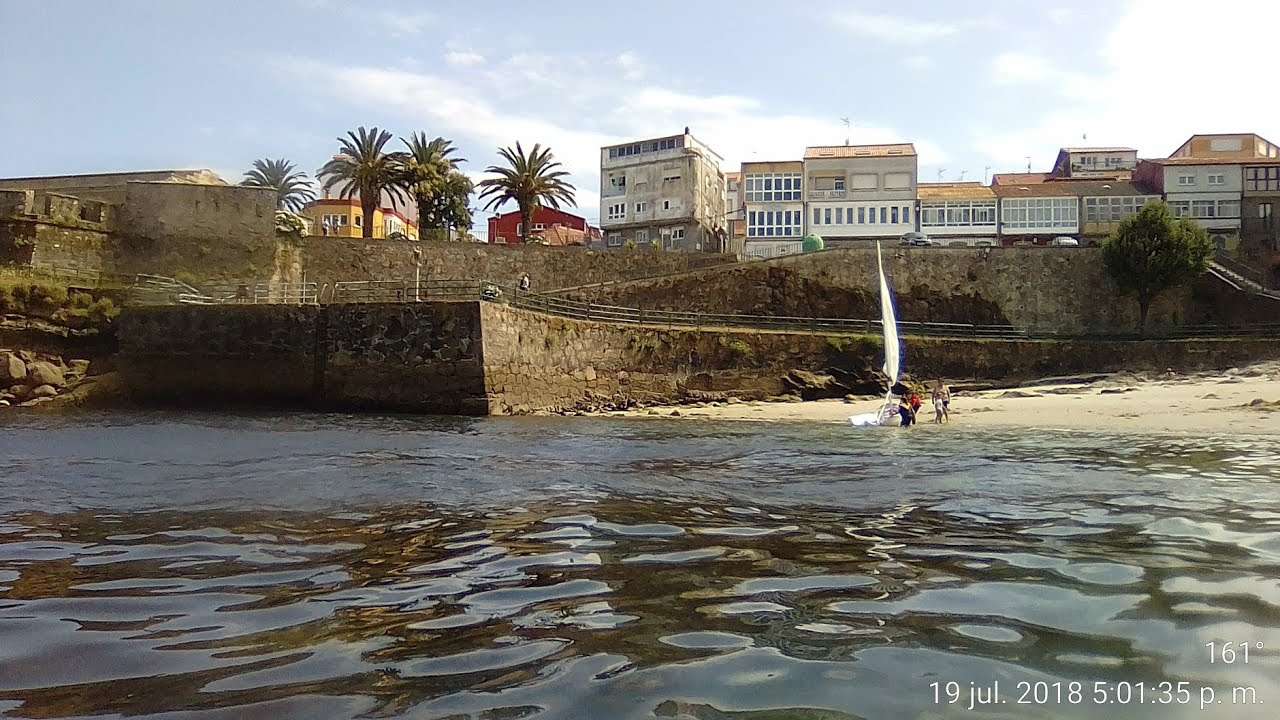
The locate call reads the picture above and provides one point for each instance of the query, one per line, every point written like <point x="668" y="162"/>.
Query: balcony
<point x="614" y="191"/>
<point x="826" y="194"/>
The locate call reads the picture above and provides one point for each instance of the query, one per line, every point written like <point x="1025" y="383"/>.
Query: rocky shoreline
<point x="30" y="379"/>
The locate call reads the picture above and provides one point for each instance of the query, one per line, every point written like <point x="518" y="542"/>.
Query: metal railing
<point x="1247" y="272"/>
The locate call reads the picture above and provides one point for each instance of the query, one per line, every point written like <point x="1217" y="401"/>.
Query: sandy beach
<point x="1244" y="401"/>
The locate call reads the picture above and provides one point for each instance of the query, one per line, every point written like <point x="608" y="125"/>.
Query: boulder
<point x="20" y="392"/>
<point x="44" y="391"/>
<point x="12" y="369"/>
<point x="4" y="403"/>
<point x="45" y="373"/>
<point x="812" y="386"/>
<point x="78" y="367"/>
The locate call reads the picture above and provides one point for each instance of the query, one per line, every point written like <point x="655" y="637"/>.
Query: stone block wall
<point x="409" y="357"/>
<point x="1060" y="289"/>
<point x="232" y="354"/>
<point x="330" y="260"/>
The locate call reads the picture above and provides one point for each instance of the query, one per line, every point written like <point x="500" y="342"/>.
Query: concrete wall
<point x="1060" y="289"/>
<point x="330" y="260"/>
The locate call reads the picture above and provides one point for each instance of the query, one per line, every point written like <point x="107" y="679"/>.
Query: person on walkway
<point x="941" y="401"/>
<point x="524" y="282"/>
<point x="324" y="228"/>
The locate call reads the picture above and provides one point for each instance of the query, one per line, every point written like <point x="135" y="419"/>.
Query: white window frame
<point x="677" y="233"/>
<point x="642" y="236"/>
<point x="519" y="229"/>
<point x="617" y="211"/>
<point x="359" y="220"/>
<point x="775" y="223"/>
<point x="539" y="226"/>
<point x="614" y="239"/>
<point x="1049" y="214"/>
<point x="1217" y="179"/>
<point x="1186" y="180"/>
<point x="782" y="187"/>
<point x="641" y="207"/>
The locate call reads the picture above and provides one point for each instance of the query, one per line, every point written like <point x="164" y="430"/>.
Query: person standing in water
<point x="941" y="401"/>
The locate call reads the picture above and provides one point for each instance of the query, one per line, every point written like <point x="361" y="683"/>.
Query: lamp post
<point x="417" y="273"/>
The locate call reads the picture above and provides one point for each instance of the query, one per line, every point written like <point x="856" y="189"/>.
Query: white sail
<point x="892" y="354"/>
<point x="892" y="351"/>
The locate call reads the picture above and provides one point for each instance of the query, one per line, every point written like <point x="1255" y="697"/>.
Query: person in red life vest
<point x="915" y="401"/>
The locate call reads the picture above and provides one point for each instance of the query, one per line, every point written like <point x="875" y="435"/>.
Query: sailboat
<point x="888" y="412"/>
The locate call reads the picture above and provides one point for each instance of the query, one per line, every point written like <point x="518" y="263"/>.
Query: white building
<point x="1095" y="162"/>
<point x="1204" y="189"/>
<point x="667" y="191"/>
<point x="860" y="192"/>
<point x="958" y="213"/>
<point x="773" y="201"/>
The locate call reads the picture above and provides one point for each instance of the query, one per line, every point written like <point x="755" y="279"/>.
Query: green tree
<point x="293" y="189"/>
<point x="441" y="191"/>
<point x="531" y="181"/>
<point x="364" y="168"/>
<point x="1153" y="251"/>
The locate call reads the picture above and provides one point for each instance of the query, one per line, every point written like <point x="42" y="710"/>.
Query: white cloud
<point x="632" y="67"/>
<point x="463" y="58"/>
<point x="917" y="62"/>
<point x="404" y="24"/>
<point x="1016" y="67"/>
<point x="484" y="107"/>
<point x="895" y="30"/>
<point x="1132" y="99"/>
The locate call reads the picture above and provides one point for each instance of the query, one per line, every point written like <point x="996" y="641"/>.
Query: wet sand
<point x="1245" y="401"/>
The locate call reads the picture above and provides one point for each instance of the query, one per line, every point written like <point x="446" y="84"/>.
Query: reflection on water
<point x="327" y="567"/>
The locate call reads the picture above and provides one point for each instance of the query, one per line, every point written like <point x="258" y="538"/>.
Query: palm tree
<point x="432" y="178"/>
<point x="363" y="168"/>
<point x="532" y="181"/>
<point x="293" y="189"/>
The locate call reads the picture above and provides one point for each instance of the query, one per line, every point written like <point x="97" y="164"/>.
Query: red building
<point x="505" y="228"/>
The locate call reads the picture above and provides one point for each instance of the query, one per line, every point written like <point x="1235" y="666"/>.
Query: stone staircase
<point x="1240" y="276"/>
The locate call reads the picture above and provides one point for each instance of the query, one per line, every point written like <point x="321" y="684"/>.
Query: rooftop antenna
<point x="962" y="172"/>
<point x="845" y="120"/>
<point x="986" y="172"/>
<point x="940" y="171"/>
<point x="1028" y="163"/>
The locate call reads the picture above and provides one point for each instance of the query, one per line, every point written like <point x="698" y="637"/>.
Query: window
<point x="642" y="236"/>
<point x="773" y="187"/>
<point x="617" y="212"/>
<point x="1181" y="208"/>
<point x="893" y="215"/>
<point x="1203" y="208"/>
<point x="871" y="216"/>
<point x="897" y="181"/>
<point x="817" y="216"/>
<point x="641" y="207"/>
<point x="865" y="182"/>
<point x="677" y="233"/>
<point x="539" y="226"/>
<point x="1217" y="179"/>
<point x="666" y="204"/>
<point x="862" y="216"/>
<point x="359" y="220"/>
<point x="1262" y="178"/>
<point x="1113" y="209"/>
<point x="615" y="239"/>
<point x="839" y="216"/>
<point x="838" y="184"/>
<point x="906" y="214"/>
<point x="777" y="223"/>
<point x="334" y="220"/>
<point x="670" y="176"/>
<point x="1228" y="208"/>
<point x="1264" y="211"/>
<point x="826" y="216"/>
<point x="1048" y="213"/>
<point x="519" y="229"/>
<point x="884" y="215"/>
<point x="1186" y="180"/>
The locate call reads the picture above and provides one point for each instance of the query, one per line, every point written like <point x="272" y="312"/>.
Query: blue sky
<point x="149" y="84"/>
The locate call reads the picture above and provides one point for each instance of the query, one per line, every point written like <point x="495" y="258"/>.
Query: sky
<point x="979" y="87"/>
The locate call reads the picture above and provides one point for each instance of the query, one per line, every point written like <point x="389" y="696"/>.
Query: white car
<point x="1064" y="241"/>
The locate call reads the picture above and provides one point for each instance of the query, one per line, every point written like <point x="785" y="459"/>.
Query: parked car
<point x="1064" y="241"/>
<point x="915" y="238"/>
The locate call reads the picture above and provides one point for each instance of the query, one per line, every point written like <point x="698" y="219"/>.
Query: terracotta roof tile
<point x="1018" y="178"/>
<point x="954" y="191"/>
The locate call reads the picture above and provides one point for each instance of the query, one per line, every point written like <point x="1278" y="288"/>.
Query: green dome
<point x="812" y="243"/>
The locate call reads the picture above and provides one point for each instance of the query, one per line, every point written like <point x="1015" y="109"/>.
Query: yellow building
<point x="342" y="217"/>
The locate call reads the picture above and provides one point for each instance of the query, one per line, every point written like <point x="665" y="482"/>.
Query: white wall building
<point x="1200" y="188"/>
<point x="773" y="203"/>
<point x="958" y="213"/>
<point x="666" y="191"/>
<point x="860" y="192"/>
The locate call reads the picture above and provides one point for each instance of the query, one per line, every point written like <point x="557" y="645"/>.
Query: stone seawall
<point x="409" y="357"/>
<point x="483" y="358"/>
<point x="331" y="259"/>
<point x="1061" y="289"/>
